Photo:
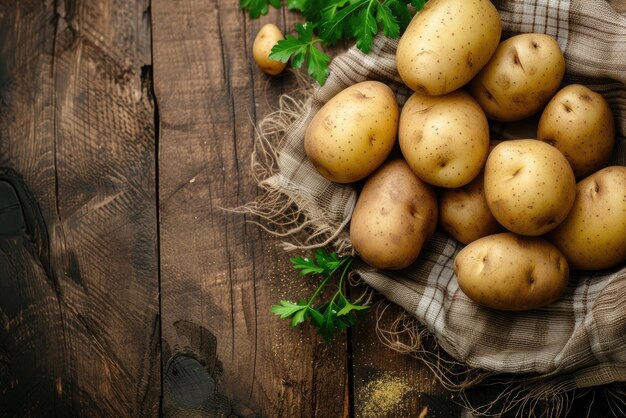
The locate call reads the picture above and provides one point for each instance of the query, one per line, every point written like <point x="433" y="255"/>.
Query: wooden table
<point x="132" y="123"/>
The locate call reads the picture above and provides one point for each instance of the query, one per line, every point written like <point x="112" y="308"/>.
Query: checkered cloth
<point x="582" y="337"/>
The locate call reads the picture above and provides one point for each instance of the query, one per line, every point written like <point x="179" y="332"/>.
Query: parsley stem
<point x="343" y="275"/>
<point x="345" y="262"/>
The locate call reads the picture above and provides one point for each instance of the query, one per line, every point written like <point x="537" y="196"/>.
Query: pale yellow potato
<point x="464" y="213"/>
<point x="444" y="138"/>
<point x="511" y="272"/>
<point x="529" y="186"/>
<point x="395" y="214"/>
<point x="354" y="132"/>
<point x="520" y="78"/>
<point x="264" y="41"/>
<point x="580" y="124"/>
<point x="446" y="44"/>
<point x="593" y="236"/>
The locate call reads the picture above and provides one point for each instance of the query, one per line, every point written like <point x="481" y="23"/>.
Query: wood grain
<point x="219" y="274"/>
<point x="78" y="124"/>
<point x="389" y="384"/>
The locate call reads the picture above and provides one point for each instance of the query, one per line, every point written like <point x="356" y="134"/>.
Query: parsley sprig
<point x="329" y="317"/>
<point x="333" y="21"/>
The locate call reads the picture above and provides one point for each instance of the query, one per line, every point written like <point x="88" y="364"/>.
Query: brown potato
<point x="511" y="272"/>
<point x="446" y="44"/>
<point x="520" y="78"/>
<point x="354" y="132"/>
<point x="593" y="236"/>
<point x="444" y="138"/>
<point x="264" y="41"/>
<point x="395" y="214"/>
<point x="580" y="124"/>
<point x="529" y="186"/>
<point x="464" y="213"/>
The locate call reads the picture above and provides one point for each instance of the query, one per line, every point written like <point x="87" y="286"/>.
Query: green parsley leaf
<point x="306" y="266"/>
<point x="365" y="27"/>
<point x="299" y="5"/>
<point x="400" y="12"/>
<point x="287" y="309"/>
<point x="335" y="19"/>
<point x="418" y="4"/>
<point x="257" y="8"/>
<point x="302" y="49"/>
<point x="387" y="20"/>
<point x="332" y="316"/>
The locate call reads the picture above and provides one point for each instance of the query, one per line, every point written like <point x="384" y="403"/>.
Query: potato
<point x="511" y="272"/>
<point x="579" y="123"/>
<point x="354" y="132"/>
<point x="446" y="44"/>
<point x="529" y="186"/>
<point x="265" y="40"/>
<point x="444" y="138"/>
<point x="464" y="213"/>
<point x="593" y="236"/>
<point x="520" y="78"/>
<point x="395" y="214"/>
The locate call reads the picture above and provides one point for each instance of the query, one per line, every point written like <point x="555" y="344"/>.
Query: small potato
<point x="593" y="236"/>
<point x="529" y="186"/>
<point x="265" y="40"/>
<point x="520" y="78"/>
<point x="354" y="132"/>
<point x="395" y="214"/>
<point x="446" y="44"/>
<point x="510" y="272"/>
<point x="580" y="124"/>
<point x="464" y="213"/>
<point x="444" y="138"/>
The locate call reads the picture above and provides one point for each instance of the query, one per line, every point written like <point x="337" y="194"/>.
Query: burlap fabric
<point x="577" y="342"/>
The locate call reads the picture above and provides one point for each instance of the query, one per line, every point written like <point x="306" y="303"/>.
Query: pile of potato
<point x="515" y="203"/>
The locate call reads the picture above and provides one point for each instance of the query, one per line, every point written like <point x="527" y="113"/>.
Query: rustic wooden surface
<point x="77" y="122"/>
<point x="132" y="122"/>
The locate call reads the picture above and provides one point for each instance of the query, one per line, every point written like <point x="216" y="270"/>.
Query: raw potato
<point x="510" y="272"/>
<point x="593" y="236"/>
<point x="263" y="44"/>
<point x="520" y="78"/>
<point x="396" y="213"/>
<point x="580" y="124"/>
<point x="446" y="44"/>
<point x="464" y="213"/>
<point x="444" y="138"/>
<point x="529" y="186"/>
<point x="354" y="132"/>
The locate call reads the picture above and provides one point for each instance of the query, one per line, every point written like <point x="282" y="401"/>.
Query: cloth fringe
<point x="525" y="396"/>
<point x="283" y="209"/>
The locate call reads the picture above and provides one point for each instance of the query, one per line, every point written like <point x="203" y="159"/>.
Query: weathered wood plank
<point x="220" y="275"/>
<point x="388" y="384"/>
<point x="78" y="124"/>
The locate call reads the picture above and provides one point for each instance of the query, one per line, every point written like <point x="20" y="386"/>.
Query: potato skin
<point x="264" y="41"/>
<point x="520" y="78"/>
<point x="446" y="44"/>
<point x="511" y="272"/>
<point x="395" y="214"/>
<point x="444" y="139"/>
<point x="354" y="132"/>
<point x="464" y="213"/>
<point x="580" y="124"/>
<point x="593" y="236"/>
<point x="529" y="186"/>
